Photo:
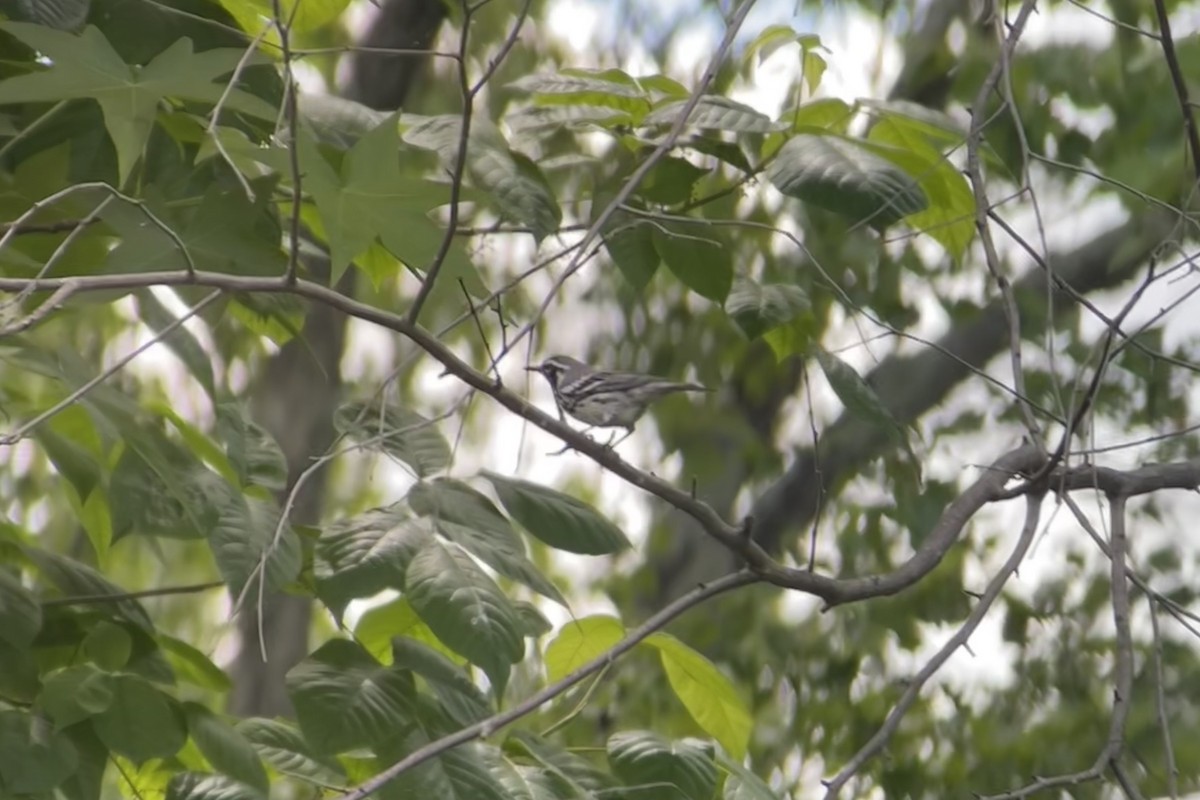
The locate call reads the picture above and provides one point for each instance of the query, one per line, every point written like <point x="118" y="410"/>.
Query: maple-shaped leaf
<point x="86" y="65"/>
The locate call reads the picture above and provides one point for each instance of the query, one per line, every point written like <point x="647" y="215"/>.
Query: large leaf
<point x="193" y="666"/>
<point x="74" y="579"/>
<point x="74" y="694"/>
<point x="202" y="786"/>
<point x="20" y="613"/>
<point x="281" y="745"/>
<point x="141" y="722"/>
<point x="345" y="699"/>
<point x="741" y="783"/>
<point x="253" y="453"/>
<point x="398" y="432"/>
<point x="466" y="610"/>
<point x="32" y="759"/>
<point x="379" y="625"/>
<point x="513" y="182"/>
<point x="630" y="244"/>
<point x="87" y="66"/>
<point x="470" y="519"/>
<point x="697" y="256"/>
<point x="578" y="775"/>
<point x="248" y="538"/>
<point x="302" y="16"/>
<point x="710" y="697"/>
<point x="842" y="175"/>
<point x="714" y="112"/>
<point x="364" y="555"/>
<point x="457" y="774"/>
<point x="857" y="395"/>
<point x="226" y="749"/>
<point x="759" y="307"/>
<point x="578" y="642"/>
<point x="641" y="758"/>
<point x="460" y="697"/>
<point x="559" y="520"/>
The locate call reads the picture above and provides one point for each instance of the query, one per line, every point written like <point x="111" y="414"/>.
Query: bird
<point x="602" y="398"/>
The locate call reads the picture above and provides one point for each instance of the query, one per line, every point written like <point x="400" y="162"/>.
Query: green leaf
<point x="579" y="777"/>
<point x="857" y="396"/>
<point x="578" y="642"/>
<point x="714" y="112"/>
<point x="336" y="120"/>
<point x="364" y="555"/>
<point x="303" y="16"/>
<point x="252" y="452"/>
<point x="33" y="760"/>
<point x="248" y="534"/>
<point x="950" y="217"/>
<point x="697" y="256"/>
<point x="469" y="519"/>
<point x="710" y="697"/>
<point x="74" y="579"/>
<point x="281" y="745"/>
<point x="842" y="175"/>
<point x="630" y="245"/>
<point x="671" y="181"/>
<point x="74" y="694"/>
<point x="108" y="645"/>
<point x="369" y="198"/>
<point x="606" y="89"/>
<point x="826" y="114"/>
<point x="141" y="722"/>
<point x="513" y="183"/>
<point x="227" y="750"/>
<point x="759" y="307"/>
<point x="742" y="784"/>
<point x="461" y="698"/>
<point x="192" y="666"/>
<point x="641" y="758"/>
<point x="559" y="520"/>
<point x="768" y="41"/>
<point x="521" y="782"/>
<point x="20" y="613"/>
<point x="457" y="774"/>
<point x="87" y="66"/>
<point x="181" y="341"/>
<point x="345" y="699"/>
<point x="466" y="610"/>
<point x="379" y="625"/>
<point x="73" y="445"/>
<point x="202" y="786"/>
<point x="401" y="433"/>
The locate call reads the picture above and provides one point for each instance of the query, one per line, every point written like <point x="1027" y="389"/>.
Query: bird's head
<point x="554" y="367"/>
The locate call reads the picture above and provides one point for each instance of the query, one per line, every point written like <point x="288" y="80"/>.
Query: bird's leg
<point x="611" y="444"/>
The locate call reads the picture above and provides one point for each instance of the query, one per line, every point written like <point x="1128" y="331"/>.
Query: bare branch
<point x="100" y="599"/>
<point x="1185" y="106"/>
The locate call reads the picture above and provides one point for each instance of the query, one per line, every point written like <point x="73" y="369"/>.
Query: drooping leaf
<point x="579" y="776"/>
<point x="469" y="518"/>
<point x="280" y="744"/>
<point x="760" y="307"/>
<point x="226" y="749"/>
<point x="578" y="642"/>
<point x="466" y="610"/>
<point x="345" y="699"/>
<point x="364" y="555"/>
<point x="33" y="760"/>
<point x="193" y="666"/>
<point x="202" y="786"/>
<point x="857" y="396"/>
<point x="379" y="625"/>
<point x="181" y="341"/>
<point x="714" y="112"/>
<point x="460" y="697"/>
<point x="74" y="694"/>
<point x="710" y="697"/>
<point x="558" y="519"/>
<point x="75" y="579"/>
<point x="20" y="612"/>
<point x="141" y="722"/>
<point x="840" y="174"/>
<point x="397" y="431"/>
<point x="697" y="256"/>
<point x="741" y="783"/>
<point x="253" y="453"/>
<point x="249" y="540"/>
<point x="641" y="758"/>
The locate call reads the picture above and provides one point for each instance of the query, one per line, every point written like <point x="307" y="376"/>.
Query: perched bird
<point x="605" y="399"/>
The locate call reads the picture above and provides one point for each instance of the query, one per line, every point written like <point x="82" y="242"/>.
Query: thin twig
<point x="215" y="115"/>
<point x="912" y="691"/>
<point x="1185" y="106"/>
<point x="1160" y="702"/>
<point x="291" y="116"/>
<point x="100" y="599"/>
<point x="469" y="93"/>
<point x="74" y="396"/>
